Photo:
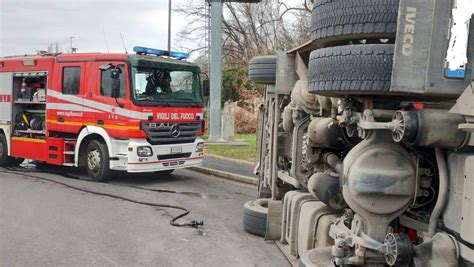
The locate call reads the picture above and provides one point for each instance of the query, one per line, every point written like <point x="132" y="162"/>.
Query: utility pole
<point x="215" y="65"/>
<point x="70" y="40"/>
<point x="169" y="25"/>
<point x="216" y="71"/>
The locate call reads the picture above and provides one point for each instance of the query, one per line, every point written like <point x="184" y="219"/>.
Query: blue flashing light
<point x="157" y="52"/>
<point x="456" y="73"/>
<point x="179" y="55"/>
<point x="149" y="51"/>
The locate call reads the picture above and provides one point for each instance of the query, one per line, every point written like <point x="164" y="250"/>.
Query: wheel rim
<point x="93" y="160"/>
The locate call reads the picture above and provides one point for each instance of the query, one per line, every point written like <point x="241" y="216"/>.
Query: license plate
<point x="176" y="150"/>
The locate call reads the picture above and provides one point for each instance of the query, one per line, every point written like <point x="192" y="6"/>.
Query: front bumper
<point x="165" y="157"/>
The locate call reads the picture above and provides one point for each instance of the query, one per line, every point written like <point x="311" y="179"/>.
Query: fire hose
<point x="173" y="221"/>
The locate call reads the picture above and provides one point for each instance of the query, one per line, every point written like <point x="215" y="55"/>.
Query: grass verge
<point x="246" y="153"/>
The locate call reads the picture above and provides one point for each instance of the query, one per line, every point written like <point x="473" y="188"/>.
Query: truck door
<point x="113" y="115"/>
<point x="65" y="110"/>
<point x="6" y="96"/>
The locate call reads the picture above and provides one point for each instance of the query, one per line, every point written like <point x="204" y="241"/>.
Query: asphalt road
<point x="232" y="166"/>
<point x="43" y="223"/>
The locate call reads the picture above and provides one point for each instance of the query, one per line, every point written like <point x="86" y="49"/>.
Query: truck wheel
<point x="98" y="161"/>
<point x="255" y="216"/>
<point x="5" y="160"/>
<point x="339" y="21"/>
<point x="262" y="69"/>
<point x="352" y="69"/>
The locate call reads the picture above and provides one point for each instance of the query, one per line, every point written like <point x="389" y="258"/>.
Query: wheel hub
<point x="93" y="160"/>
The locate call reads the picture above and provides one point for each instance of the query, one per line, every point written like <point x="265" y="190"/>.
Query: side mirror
<point x="105" y="67"/>
<point x="206" y="88"/>
<point x="115" y="75"/>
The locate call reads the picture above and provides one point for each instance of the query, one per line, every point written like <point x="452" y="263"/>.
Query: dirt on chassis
<point x="365" y="137"/>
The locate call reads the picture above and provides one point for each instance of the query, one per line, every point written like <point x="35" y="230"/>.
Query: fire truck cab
<point x="138" y="112"/>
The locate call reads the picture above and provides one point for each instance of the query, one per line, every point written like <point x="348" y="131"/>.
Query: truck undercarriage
<point x="365" y="149"/>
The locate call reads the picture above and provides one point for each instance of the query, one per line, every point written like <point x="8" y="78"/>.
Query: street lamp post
<point x="216" y="67"/>
<point x="70" y="40"/>
<point x="216" y="71"/>
<point x="169" y="25"/>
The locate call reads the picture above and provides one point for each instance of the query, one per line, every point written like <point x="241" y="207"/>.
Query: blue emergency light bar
<point x="157" y="52"/>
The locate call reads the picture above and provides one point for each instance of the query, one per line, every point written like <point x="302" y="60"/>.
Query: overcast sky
<point x="29" y="25"/>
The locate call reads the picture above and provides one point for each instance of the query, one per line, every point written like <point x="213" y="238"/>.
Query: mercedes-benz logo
<point x="175" y="131"/>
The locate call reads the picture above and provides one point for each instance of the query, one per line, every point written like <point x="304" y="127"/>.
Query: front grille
<point x="160" y="133"/>
<point x="174" y="156"/>
<point x="173" y="163"/>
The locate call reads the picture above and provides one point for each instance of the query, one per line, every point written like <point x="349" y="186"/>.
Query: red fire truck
<point x="134" y="113"/>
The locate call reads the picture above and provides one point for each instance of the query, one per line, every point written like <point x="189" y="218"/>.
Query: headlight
<point x="200" y="147"/>
<point x="144" y="151"/>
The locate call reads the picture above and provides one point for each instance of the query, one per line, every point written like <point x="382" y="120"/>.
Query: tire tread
<point x="353" y="19"/>
<point x="357" y="69"/>
<point x="262" y="69"/>
<point x="255" y="218"/>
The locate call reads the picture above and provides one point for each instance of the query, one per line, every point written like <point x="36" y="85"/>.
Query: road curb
<point x="210" y="155"/>
<point x="226" y="175"/>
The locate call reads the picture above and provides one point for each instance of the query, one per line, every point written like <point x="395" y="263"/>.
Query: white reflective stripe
<point x="457" y="50"/>
<point x="100" y="106"/>
<point x="71" y="107"/>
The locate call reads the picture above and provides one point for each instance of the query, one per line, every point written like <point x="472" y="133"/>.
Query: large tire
<point x="5" y="160"/>
<point x="262" y="69"/>
<point x="338" y="21"/>
<point x="351" y="70"/>
<point x="255" y="216"/>
<point x="98" y="161"/>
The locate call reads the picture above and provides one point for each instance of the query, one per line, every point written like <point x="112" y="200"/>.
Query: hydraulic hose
<point x="185" y="212"/>
<point x="442" y="192"/>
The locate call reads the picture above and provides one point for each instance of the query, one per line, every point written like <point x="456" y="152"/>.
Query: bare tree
<point x="248" y="30"/>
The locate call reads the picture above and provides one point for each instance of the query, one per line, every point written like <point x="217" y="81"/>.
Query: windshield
<point x="156" y="86"/>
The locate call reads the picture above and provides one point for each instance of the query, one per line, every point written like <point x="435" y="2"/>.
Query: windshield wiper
<point x="188" y="101"/>
<point x="185" y="100"/>
<point x="170" y="102"/>
<point x="152" y="101"/>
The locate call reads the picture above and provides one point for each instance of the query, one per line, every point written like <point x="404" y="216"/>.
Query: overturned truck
<point x="365" y="154"/>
